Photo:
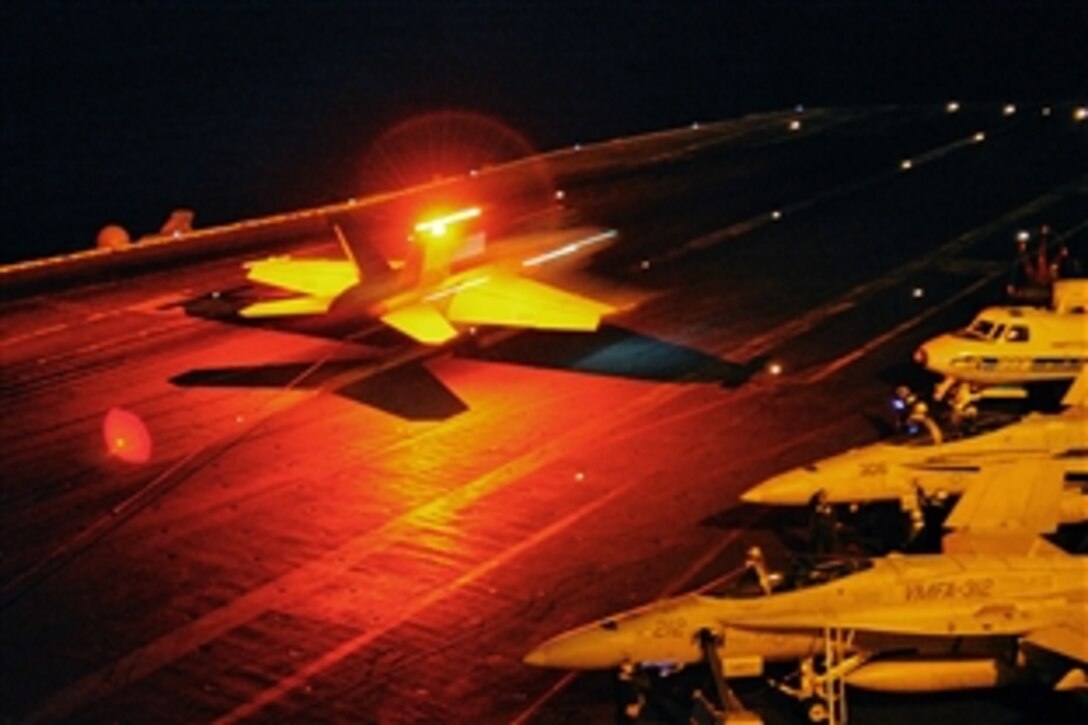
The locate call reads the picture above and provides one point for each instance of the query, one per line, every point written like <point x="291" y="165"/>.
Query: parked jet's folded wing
<point x="1024" y="497"/>
<point x="1077" y="395"/>
<point x="421" y="322"/>
<point x="1070" y="638"/>
<point x="518" y="302"/>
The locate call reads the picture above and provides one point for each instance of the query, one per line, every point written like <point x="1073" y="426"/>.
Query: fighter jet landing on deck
<point x="450" y="280"/>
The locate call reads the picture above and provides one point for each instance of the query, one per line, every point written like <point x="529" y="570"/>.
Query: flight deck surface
<point x="353" y="527"/>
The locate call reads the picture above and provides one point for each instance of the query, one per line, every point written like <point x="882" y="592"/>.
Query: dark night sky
<point x="121" y="111"/>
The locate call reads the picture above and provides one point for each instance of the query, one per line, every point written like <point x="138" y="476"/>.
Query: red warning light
<point x="126" y="436"/>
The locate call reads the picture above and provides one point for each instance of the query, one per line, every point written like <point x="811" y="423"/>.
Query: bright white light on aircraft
<point x="580" y="476"/>
<point x="979" y="137"/>
<point x="1046" y="111"/>
<point x="644" y="264"/>
<point x="1009" y="109"/>
<point x="774" y="368"/>
<point x="1080" y="114"/>
<point x="695" y="126"/>
<point x="1023" y="235"/>
<point x="560" y="195"/>
<point x="776" y="215"/>
<point x="438" y="226"/>
<point x="917" y="293"/>
<point x="795" y="125"/>
<point x="577" y="147"/>
<point x="906" y="164"/>
<point x="454" y="289"/>
<point x="568" y="249"/>
<point x="952" y="107"/>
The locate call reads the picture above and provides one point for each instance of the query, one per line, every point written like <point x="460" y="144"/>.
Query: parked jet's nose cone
<point x="537" y="658"/>
<point x="793" y="488"/>
<point x="921" y="356"/>
<point x="597" y="647"/>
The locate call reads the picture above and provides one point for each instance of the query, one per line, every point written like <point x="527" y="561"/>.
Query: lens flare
<point x="126" y="436"/>
<point x="454" y="160"/>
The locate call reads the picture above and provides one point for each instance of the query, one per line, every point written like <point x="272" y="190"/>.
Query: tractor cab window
<point x="1017" y="333"/>
<point x="980" y="329"/>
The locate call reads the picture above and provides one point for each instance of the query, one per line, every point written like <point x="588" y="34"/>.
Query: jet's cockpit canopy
<point x="802" y="572"/>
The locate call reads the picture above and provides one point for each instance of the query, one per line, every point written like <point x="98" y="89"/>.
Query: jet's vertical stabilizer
<point x="360" y="250"/>
<point x="440" y="241"/>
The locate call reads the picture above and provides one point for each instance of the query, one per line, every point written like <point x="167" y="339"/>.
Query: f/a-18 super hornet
<point x="998" y="605"/>
<point x="452" y="279"/>
<point x="914" y="467"/>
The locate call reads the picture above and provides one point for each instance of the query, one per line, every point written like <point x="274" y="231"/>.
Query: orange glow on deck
<point x="126" y="436"/>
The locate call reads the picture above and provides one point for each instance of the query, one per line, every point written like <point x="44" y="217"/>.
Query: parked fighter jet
<point x="1016" y="345"/>
<point x="900" y="470"/>
<point x="451" y="279"/>
<point x="999" y="605"/>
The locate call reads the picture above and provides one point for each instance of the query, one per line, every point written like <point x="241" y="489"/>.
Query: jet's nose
<point x="793" y="488"/>
<point x="921" y="356"/>
<point x="596" y="647"/>
<point x="537" y="658"/>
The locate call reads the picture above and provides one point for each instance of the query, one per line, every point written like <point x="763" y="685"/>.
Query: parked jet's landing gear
<point x="816" y="710"/>
<point x="821" y="690"/>
<point x="732" y="710"/>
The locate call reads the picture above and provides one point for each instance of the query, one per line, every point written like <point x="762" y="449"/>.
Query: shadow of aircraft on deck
<point x="409" y="390"/>
<point x="615" y="352"/>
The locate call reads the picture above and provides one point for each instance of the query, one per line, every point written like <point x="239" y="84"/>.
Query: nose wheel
<point x="822" y="691"/>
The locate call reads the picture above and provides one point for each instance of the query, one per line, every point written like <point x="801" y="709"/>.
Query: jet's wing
<point x="319" y="281"/>
<point x="421" y="322"/>
<point x="1077" y="395"/>
<point x="1009" y="506"/>
<point x="288" y="307"/>
<point x="1021" y="497"/>
<point x="312" y="277"/>
<point x="511" y="301"/>
<point x="1070" y="638"/>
